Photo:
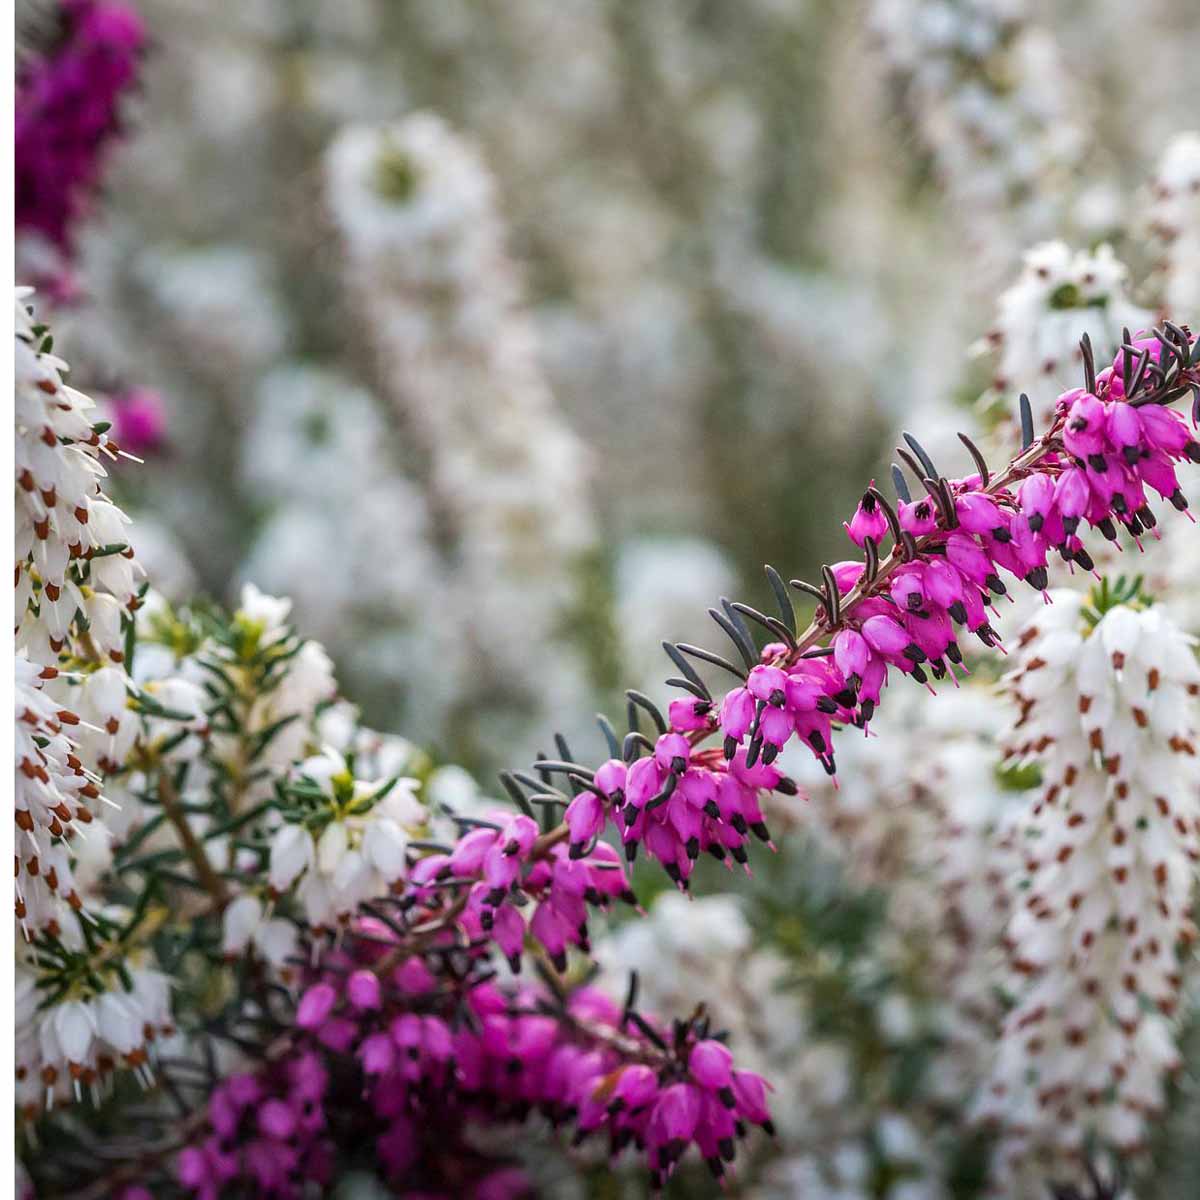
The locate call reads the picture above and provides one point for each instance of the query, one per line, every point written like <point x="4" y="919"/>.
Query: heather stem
<point x="206" y="874"/>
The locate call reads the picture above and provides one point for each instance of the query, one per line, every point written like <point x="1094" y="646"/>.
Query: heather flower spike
<point x="67" y="113"/>
<point x="1107" y="449"/>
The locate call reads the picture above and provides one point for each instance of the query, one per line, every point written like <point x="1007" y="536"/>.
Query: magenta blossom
<point x="67" y="114"/>
<point x="139" y="420"/>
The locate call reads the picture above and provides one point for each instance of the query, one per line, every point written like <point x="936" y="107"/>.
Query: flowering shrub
<point x="483" y="344"/>
<point x="361" y="923"/>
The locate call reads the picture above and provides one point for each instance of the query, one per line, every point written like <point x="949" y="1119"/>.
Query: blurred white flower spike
<point x="430" y="279"/>
<point x="1174" y="218"/>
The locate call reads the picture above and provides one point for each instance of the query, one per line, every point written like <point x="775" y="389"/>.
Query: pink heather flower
<point x="1090" y="469"/>
<point x="690" y="715"/>
<point x="139" y="419"/>
<point x="751" y="1092"/>
<point x="67" y="114"/>
<point x="376" y="1053"/>
<point x="276" y="1120"/>
<point x="643" y="782"/>
<point x="315" y="1005"/>
<point x="192" y="1168"/>
<point x="244" y="1090"/>
<point x="886" y="636"/>
<point x="610" y="779"/>
<point x="711" y="1064"/>
<point x="845" y="575"/>
<point x="672" y="1122"/>
<point x="768" y="684"/>
<point x="585" y="819"/>
<point x="468" y="855"/>
<point x="868" y="520"/>
<point x="908" y="588"/>
<point x="737" y="714"/>
<point x="364" y="991"/>
<point x="672" y="752"/>
<point x="637" y="1086"/>
<point x="918" y="517"/>
<point x="851" y="652"/>
<point x="508" y="1050"/>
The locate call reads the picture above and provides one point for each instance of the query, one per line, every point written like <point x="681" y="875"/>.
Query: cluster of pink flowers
<point x="504" y="864"/>
<point x="954" y="547"/>
<point x="67" y="112"/>
<point x="1108" y="444"/>
<point x="678" y="801"/>
<point x="429" y="1044"/>
<point x="268" y="1129"/>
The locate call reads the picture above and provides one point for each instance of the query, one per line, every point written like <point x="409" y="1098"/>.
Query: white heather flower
<point x="244" y="923"/>
<point x="1175" y="217"/>
<point x="331" y="847"/>
<point x="110" y="726"/>
<point x="238" y="923"/>
<point x="269" y="613"/>
<point x="292" y="853"/>
<point x="1103" y="895"/>
<point x="72" y="558"/>
<point x="53" y="795"/>
<point x="361" y="849"/>
<point x="298" y="690"/>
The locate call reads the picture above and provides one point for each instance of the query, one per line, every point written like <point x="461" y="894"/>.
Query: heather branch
<point x="1103" y="448"/>
<point x="206" y="874"/>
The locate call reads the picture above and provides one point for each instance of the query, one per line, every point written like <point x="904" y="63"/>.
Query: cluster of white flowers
<point x="1175" y="219"/>
<point x="76" y="589"/>
<point x="991" y="101"/>
<point x="1058" y="296"/>
<point x="1101" y="899"/>
<point x="76" y="574"/>
<point x="303" y="686"/>
<point x="103" y="1016"/>
<point x="86" y="1002"/>
<point x="359" y="851"/>
<point x="52" y="797"/>
<point x="428" y="272"/>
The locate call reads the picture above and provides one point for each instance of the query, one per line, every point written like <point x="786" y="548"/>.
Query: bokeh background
<point x="505" y="337"/>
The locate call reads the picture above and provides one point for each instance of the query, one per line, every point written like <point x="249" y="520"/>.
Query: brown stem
<point x="418" y="938"/>
<point x="206" y="874"/>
